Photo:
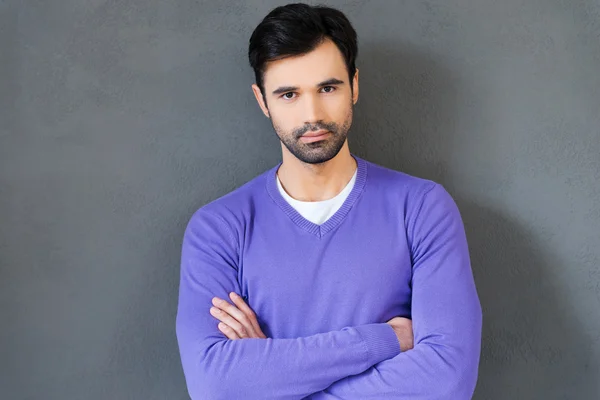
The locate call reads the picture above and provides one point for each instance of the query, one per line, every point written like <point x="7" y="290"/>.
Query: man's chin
<point x="318" y="152"/>
<point x="318" y="157"/>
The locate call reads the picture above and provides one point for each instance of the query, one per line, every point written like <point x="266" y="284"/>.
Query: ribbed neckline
<point x="335" y="219"/>
<point x="343" y="193"/>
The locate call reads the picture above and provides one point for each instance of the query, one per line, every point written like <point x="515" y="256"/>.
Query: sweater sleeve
<point x="446" y="316"/>
<point x="218" y="368"/>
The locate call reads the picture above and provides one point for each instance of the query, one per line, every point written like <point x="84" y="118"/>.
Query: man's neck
<point x="316" y="182"/>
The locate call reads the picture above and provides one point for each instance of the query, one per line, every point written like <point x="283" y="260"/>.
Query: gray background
<point x="118" y="119"/>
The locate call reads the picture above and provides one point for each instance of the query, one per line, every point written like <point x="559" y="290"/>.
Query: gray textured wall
<point x="119" y="118"/>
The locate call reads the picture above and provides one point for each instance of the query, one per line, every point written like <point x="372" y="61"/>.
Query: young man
<point x="303" y="282"/>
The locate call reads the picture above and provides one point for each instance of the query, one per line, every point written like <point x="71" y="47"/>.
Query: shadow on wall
<point x="532" y="348"/>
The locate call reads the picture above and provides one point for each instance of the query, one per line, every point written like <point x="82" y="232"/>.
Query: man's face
<point x="307" y="94"/>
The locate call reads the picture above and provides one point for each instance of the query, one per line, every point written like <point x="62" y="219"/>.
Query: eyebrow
<point x="328" y="82"/>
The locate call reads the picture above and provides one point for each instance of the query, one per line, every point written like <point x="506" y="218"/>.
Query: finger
<point x="244" y="331"/>
<point x="231" y="322"/>
<point x="239" y="316"/>
<point x="241" y="330"/>
<point x="227" y="331"/>
<point x="243" y="307"/>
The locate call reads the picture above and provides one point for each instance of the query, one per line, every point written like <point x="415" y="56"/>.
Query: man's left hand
<point x="236" y="322"/>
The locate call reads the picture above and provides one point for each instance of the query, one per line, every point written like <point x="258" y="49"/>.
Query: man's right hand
<point x="404" y="332"/>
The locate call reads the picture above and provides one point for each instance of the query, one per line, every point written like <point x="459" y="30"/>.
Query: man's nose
<point x="313" y="110"/>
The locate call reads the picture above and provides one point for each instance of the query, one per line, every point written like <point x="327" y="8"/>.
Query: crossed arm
<point x="362" y="362"/>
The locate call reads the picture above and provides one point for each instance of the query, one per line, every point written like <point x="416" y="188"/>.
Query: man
<point x="303" y="282"/>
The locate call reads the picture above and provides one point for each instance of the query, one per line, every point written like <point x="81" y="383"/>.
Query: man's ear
<point x="355" y="87"/>
<point x="260" y="99"/>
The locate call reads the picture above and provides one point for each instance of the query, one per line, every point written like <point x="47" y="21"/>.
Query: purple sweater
<point x="322" y="294"/>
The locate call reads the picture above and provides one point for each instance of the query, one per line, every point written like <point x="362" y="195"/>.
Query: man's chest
<point x="306" y="284"/>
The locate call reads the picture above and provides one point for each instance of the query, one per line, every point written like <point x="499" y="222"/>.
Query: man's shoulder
<point x="392" y="179"/>
<point x="234" y="204"/>
<point x="421" y="199"/>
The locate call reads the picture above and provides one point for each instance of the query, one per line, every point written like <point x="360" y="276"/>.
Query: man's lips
<point x="311" y="136"/>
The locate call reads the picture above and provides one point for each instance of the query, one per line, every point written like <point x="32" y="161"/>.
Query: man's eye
<point x="288" y="95"/>
<point x="328" y="87"/>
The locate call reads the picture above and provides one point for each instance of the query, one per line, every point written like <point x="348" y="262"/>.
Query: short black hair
<point x="297" y="29"/>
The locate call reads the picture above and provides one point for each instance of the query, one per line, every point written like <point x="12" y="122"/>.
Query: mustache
<point x="326" y="126"/>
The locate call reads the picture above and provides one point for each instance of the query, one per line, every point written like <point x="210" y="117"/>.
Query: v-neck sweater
<point x="322" y="294"/>
<point x="318" y="212"/>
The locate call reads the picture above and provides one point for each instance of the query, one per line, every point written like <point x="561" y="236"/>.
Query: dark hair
<point x="297" y="29"/>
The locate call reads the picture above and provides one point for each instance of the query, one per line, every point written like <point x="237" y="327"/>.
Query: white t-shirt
<point x="318" y="212"/>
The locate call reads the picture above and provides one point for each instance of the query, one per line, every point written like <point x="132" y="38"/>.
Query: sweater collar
<point x="335" y="219"/>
